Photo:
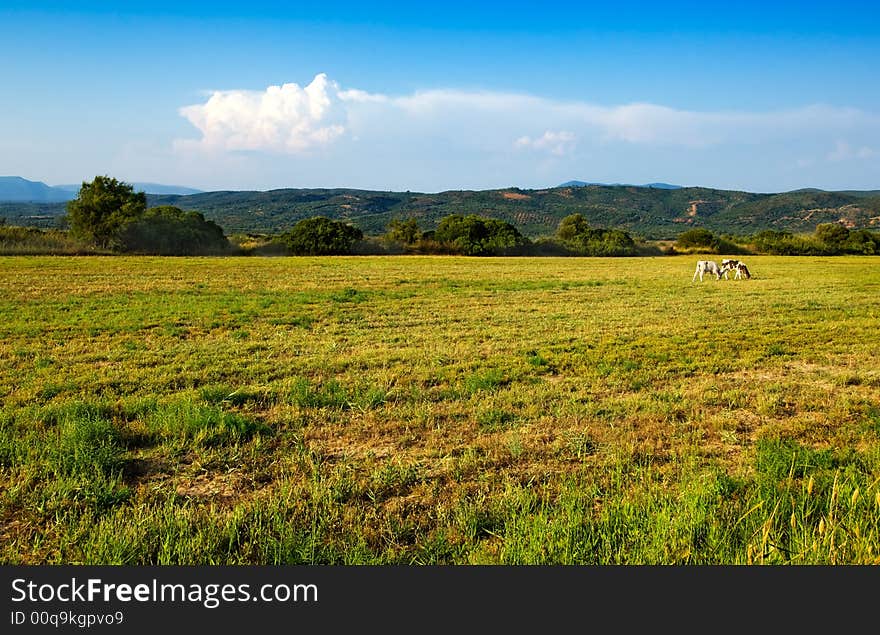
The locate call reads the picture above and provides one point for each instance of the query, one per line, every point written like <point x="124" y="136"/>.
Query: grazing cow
<point x="706" y="266"/>
<point x="735" y="265"/>
<point x="728" y="264"/>
<point x="742" y="271"/>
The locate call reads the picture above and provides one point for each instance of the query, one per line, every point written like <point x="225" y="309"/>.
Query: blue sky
<point x="259" y="95"/>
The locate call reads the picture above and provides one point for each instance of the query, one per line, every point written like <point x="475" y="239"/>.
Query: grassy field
<point x="418" y="410"/>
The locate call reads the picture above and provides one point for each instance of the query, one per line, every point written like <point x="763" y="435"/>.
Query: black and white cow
<point x="728" y="264"/>
<point x="738" y="266"/>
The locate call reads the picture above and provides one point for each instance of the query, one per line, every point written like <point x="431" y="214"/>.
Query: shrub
<point x="780" y="243"/>
<point x="863" y="242"/>
<point x="169" y="231"/>
<point x="576" y="236"/>
<point x="320" y="236"/>
<point x="698" y="239"/>
<point x="403" y="232"/>
<point x="30" y="240"/>
<point x="831" y="234"/>
<point x="474" y="235"/>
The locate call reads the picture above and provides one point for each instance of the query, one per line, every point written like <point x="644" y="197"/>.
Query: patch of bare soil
<point x="225" y="487"/>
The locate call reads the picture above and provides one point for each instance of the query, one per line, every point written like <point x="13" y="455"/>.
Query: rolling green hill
<point x="647" y="212"/>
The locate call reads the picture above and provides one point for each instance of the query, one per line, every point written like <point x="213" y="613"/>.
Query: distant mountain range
<point x="146" y="188"/>
<point x="15" y="189"/>
<point x="649" y="211"/>
<point x="659" y="186"/>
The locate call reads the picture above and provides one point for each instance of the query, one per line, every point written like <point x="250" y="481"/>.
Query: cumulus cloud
<point x="843" y="151"/>
<point x="286" y="118"/>
<point x="361" y="96"/>
<point x="556" y="143"/>
<point x="477" y="130"/>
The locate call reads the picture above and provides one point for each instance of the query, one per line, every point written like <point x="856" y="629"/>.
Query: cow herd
<point x="727" y="265"/>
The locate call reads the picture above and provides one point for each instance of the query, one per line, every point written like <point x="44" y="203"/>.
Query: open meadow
<point x="425" y="410"/>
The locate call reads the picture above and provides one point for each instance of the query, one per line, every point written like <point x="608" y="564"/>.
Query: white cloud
<point x="361" y="96"/>
<point x="845" y="152"/>
<point x="557" y="143"/>
<point x="284" y="118"/>
<point x="456" y="138"/>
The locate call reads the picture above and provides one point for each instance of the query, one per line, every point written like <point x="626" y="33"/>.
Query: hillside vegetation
<point x="651" y="213"/>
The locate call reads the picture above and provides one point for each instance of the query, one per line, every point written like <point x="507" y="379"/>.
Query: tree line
<point x="828" y="239"/>
<point x="108" y="216"/>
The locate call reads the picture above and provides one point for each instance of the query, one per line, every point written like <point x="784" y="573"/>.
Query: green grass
<point x="419" y="410"/>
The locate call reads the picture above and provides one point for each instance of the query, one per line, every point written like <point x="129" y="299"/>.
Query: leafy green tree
<point x="475" y="235"/>
<point x="168" y="230"/>
<point x="698" y="239"/>
<point x="575" y="234"/>
<point x="832" y="234"/>
<point x="862" y="241"/>
<point x="405" y="232"/>
<point x="320" y="236"/>
<point x="614" y="242"/>
<point x="574" y="228"/>
<point x="102" y="207"/>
